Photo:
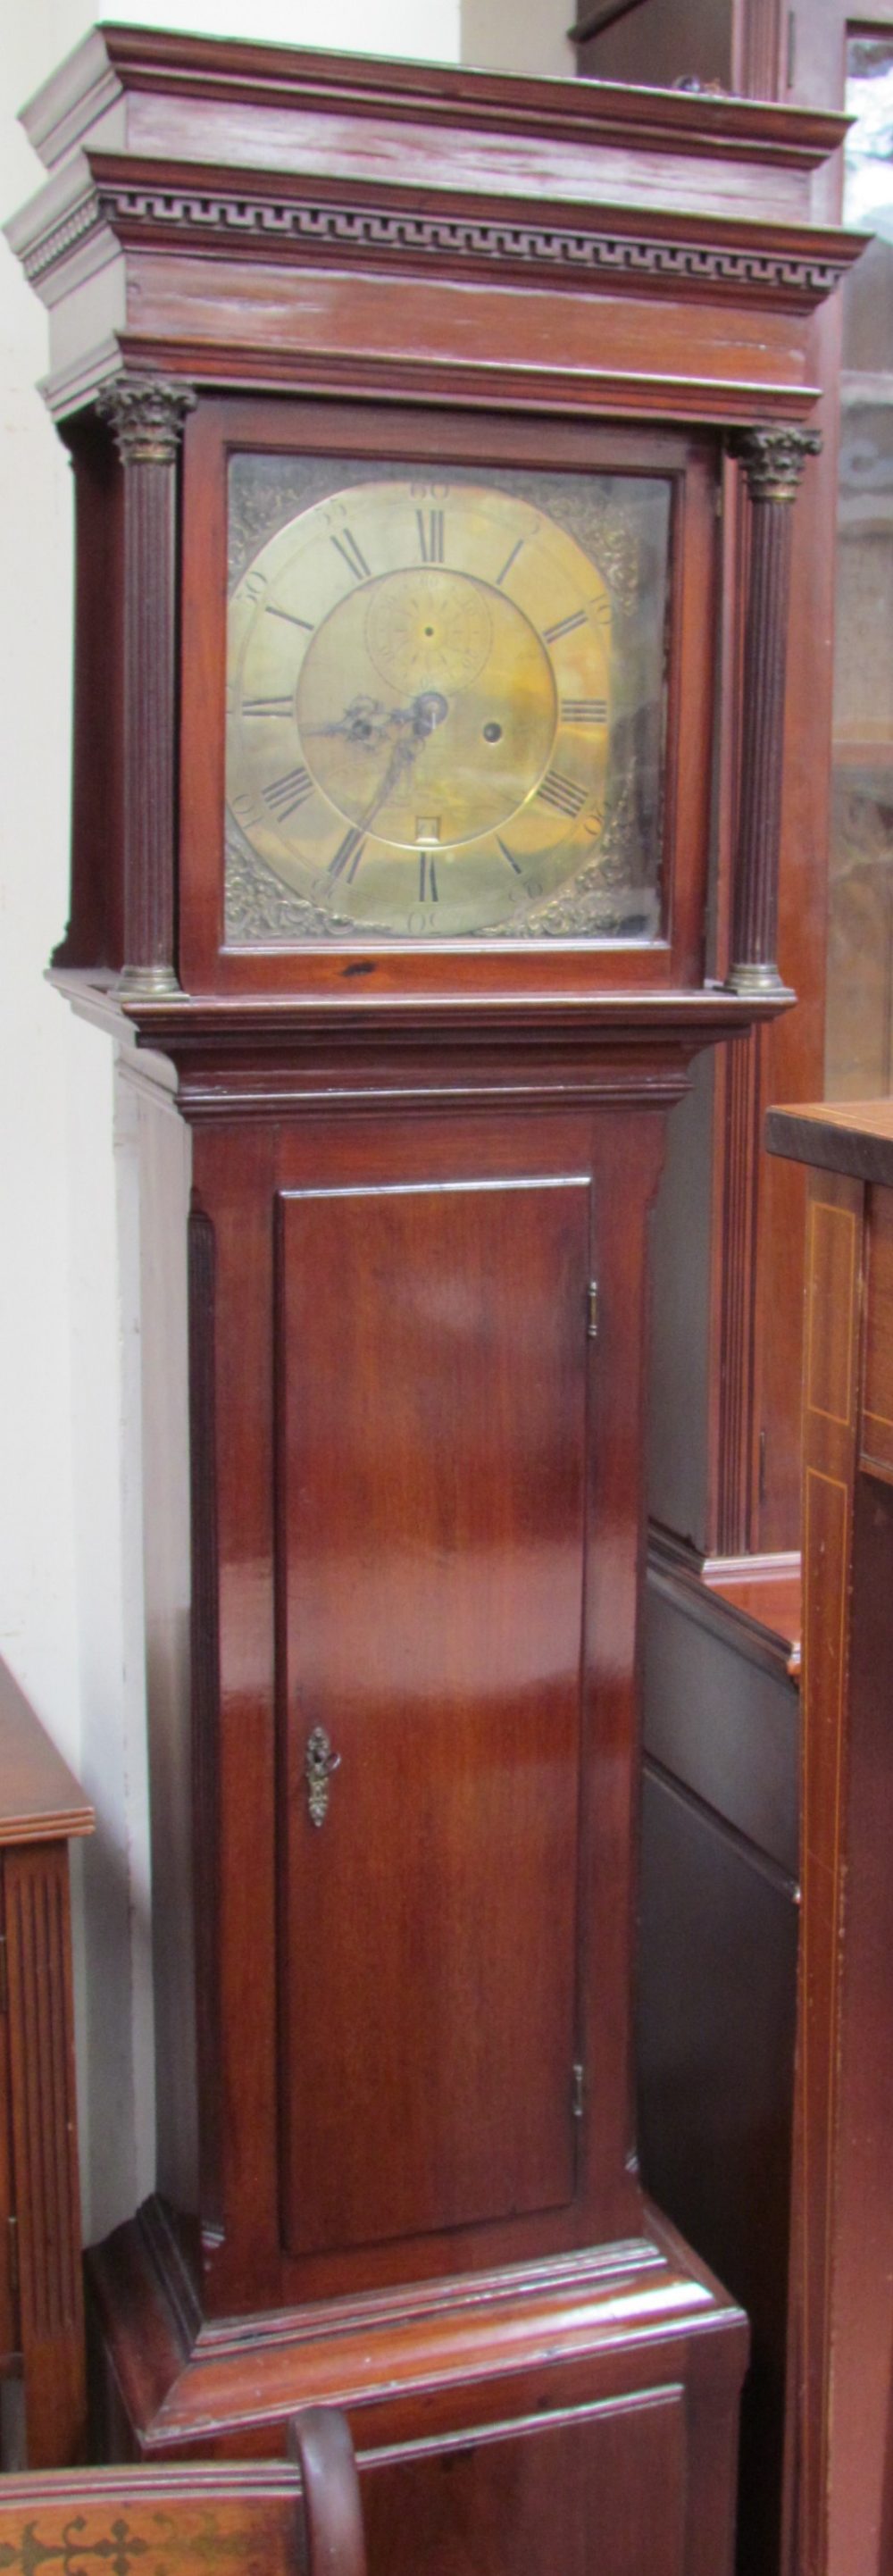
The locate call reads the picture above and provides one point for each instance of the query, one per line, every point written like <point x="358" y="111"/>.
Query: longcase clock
<point x="396" y="749"/>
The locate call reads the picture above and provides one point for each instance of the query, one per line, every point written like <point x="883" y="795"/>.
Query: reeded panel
<point x="445" y="702"/>
<point x="431" y="1397"/>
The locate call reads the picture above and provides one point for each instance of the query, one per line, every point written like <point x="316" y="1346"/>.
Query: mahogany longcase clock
<point x="400" y="716"/>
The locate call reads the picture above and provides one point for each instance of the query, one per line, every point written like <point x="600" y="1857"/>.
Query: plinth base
<point x="556" y="2417"/>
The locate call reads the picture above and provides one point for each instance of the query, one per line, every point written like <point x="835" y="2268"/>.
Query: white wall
<point x="72" y="1562"/>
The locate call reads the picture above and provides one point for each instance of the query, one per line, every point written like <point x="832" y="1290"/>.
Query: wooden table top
<point x="40" y="1799"/>
<point x="851" y="1136"/>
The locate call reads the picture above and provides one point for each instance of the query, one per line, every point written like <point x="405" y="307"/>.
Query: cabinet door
<point x="431" y="1376"/>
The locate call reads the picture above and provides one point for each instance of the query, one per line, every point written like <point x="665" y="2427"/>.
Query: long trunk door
<point x="431" y="1367"/>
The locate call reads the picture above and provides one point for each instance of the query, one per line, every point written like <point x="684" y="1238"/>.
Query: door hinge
<point x="14" y="2256"/>
<point x="592" y="1310"/>
<point x="577" y="2092"/>
<point x="4" y="1976"/>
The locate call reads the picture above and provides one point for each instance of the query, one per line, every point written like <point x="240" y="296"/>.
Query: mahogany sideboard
<point x="840" y="2458"/>
<point x="42" y="1809"/>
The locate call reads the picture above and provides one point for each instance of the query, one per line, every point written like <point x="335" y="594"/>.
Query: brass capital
<point x="773" y="459"/>
<point x="147" y="415"/>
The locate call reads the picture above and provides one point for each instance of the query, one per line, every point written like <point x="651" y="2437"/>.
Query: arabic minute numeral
<point x="561" y="793"/>
<point x="593" y="822"/>
<point x="351" y="554"/>
<point x="587" y="711"/>
<point x="430" y="528"/>
<point x="284" y="795"/>
<point x="564" y="626"/>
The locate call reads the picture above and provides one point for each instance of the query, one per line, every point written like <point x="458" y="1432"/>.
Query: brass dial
<point x="419" y="684"/>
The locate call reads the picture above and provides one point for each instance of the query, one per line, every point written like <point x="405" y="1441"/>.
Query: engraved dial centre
<point x="426" y="708"/>
<point x="428" y="630"/>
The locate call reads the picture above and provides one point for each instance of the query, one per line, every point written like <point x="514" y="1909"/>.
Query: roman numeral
<point x="430" y="528"/>
<point x="565" y="626"/>
<point x="289" y="619"/>
<point x="561" y="792"/>
<point x="584" y="710"/>
<point x="286" y="794"/>
<point x="507" y="566"/>
<point x="266" y="706"/>
<point x="352" y="555"/>
<point x="513" y="863"/>
<point x="427" y="880"/>
<point x="348" y="855"/>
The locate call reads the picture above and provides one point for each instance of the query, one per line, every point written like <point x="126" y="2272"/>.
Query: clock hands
<point x="401" y="731"/>
<point x="366" y="722"/>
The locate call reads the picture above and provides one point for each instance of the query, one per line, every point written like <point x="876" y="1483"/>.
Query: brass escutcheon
<point x="319" y="1764"/>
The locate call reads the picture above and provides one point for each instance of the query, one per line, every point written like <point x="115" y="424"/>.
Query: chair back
<point x="294" y="2517"/>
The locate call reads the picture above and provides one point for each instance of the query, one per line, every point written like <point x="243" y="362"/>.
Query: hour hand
<point x="363" y="722"/>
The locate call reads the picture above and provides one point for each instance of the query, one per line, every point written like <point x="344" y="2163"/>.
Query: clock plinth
<point x="547" y="2408"/>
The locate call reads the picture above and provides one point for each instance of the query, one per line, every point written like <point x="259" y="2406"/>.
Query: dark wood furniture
<point x="399" y="2170"/>
<point x="41" y="2299"/>
<point x="843" y="2220"/>
<point x="726" y="1440"/>
<point x="303" y="2513"/>
<point x="718" y="1967"/>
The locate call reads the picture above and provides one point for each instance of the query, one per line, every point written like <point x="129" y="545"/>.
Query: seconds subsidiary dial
<point x="419" y="684"/>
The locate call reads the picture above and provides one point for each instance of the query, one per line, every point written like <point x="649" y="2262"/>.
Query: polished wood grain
<point x="205" y="1707"/>
<point x="95" y="932"/>
<point x="599" y="2481"/>
<point x="425" y="1397"/>
<point x="842" y="2314"/>
<point x="412" y="1184"/>
<point x="470" y="2362"/>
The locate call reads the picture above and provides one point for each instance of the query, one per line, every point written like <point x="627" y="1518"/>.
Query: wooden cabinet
<point x="41" y="2297"/>
<point x="840" y="2410"/>
<point x="434" y="842"/>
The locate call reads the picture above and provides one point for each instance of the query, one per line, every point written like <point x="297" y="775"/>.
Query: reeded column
<point x="773" y="461"/>
<point x="147" y="417"/>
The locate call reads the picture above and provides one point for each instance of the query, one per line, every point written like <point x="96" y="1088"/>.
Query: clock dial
<point x="419" y="706"/>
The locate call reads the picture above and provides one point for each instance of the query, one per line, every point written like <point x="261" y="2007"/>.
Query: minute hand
<point x="424" y="715"/>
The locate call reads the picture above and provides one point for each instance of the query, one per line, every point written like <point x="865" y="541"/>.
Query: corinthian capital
<point x="773" y="459"/>
<point x="147" y="415"/>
